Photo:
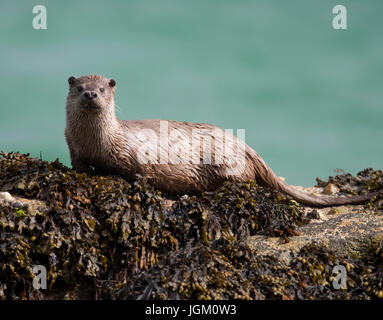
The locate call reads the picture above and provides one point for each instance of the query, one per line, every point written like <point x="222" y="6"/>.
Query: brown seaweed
<point x="101" y="237"/>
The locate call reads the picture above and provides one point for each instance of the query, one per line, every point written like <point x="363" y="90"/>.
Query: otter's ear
<point x="112" y="82"/>
<point x="71" y="81"/>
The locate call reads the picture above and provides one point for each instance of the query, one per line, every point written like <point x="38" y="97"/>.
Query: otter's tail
<point x="266" y="176"/>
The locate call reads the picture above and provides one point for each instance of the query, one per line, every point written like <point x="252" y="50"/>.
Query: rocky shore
<point x="100" y="237"/>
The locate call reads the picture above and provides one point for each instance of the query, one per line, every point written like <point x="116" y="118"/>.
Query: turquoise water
<point x="309" y="97"/>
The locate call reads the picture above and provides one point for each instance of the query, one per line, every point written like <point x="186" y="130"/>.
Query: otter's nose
<point x="90" y="95"/>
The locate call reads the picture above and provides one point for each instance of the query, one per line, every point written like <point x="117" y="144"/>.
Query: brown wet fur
<point x="97" y="138"/>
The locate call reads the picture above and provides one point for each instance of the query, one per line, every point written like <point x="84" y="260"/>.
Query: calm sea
<point x="310" y="97"/>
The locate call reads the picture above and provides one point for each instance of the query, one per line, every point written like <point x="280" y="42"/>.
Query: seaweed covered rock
<point x="368" y="180"/>
<point x="123" y="240"/>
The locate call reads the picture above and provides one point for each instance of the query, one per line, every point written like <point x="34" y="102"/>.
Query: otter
<point x="97" y="138"/>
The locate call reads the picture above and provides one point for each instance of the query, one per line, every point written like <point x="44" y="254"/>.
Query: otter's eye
<point x="79" y="88"/>
<point x="102" y="89"/>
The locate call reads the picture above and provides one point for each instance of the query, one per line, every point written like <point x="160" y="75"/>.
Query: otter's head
<point x="91" y="94"/>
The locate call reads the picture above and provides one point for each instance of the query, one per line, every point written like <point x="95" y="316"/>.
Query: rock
<point x="335" y="211"/>
<point x="348" y="233"/>
<point x="5" y="196"/>
<point x="96" y="234"/>
<point x="21" y="185"/>
<point x="18" y="204"/>
<point x="330" y="189"/>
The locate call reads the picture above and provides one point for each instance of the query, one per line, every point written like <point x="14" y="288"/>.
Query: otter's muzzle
<point x="90" y="101"/>
<point x="90" y="95"/>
